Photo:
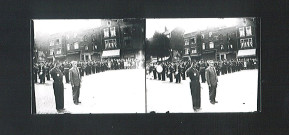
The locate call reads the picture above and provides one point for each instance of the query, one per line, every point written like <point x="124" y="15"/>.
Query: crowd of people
<point x="208" y="70"/>
<point x="41" y="69"/>
<point x="73" y="72"/>
<point x="176" y="70"/>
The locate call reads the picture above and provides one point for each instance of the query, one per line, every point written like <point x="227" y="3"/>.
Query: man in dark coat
<point x="202" y="71"/>
<point x="35" y="72"/>
<point x="178" y="74"/>
<point x="66" y="71"/>
<point x="154" y="71"/>
<point x="212" y="80"/>
<point x="164" y="72"/>
<point x="58" y="88"/>
<point x="194" y="75"/>
<point x="170" y="72"/>
<point x="42" y="72"/>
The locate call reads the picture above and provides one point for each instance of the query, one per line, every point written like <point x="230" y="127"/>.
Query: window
<point x="250" y="42"/>
<point x="204" y="46"/>
<point x="186" y="42"/>
<point x="76" y="45"/>
<point x="95" y="47"/>
<point x="106" y="44"/>
<point x="106" y="32"/>
<point x="186" y="51"/>
<point x="51" y="43"/>
<point x="210" y="34"/>
<point x="112" y="43"/>
<point x="231" y="46"/>
<point x="193" y="40"/>
<point x="86" y="47"/>
<point x="242" y="32"/>
<point x="58" y="51"/>
<point x="194" y="50"/>
<point x="222" y="47"/>
<point x="242" y="43"/>
<point x="248" y="31"/>
<point x="68" y="47"/>
<point x="51" y="51"/>
<point x="203" y="36"/>
<point x="211" y="44"/>
<point x="112" y="31"/>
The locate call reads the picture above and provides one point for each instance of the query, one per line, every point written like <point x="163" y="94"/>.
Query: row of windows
<point x="55" y="42"/>
<point x="248" y="31"/>
<point x="192" y="40"/>
<point x="76" y="46"/>
<point x="246" y="43"/>
<point x="110" y="44"/>
<point x="58" y="51"/>
<point x="110" y="30"/>
<point x="187" y="50"/>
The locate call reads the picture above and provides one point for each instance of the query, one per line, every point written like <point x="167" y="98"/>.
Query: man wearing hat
<point x="212" y="80"/>
<point x="58" y="88"/>
<point x="75" y="79"/>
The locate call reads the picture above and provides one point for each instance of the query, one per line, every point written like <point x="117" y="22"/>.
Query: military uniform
<point x="58" y="88"/>
<point x="194" y="75"/>
<point x="42" y="72"/>
<point x="66" y="71"/>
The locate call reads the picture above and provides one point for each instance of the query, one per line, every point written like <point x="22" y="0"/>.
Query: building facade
<point x="115" y="38"/>
<point x="123" y="38"/>
<point x="222" y="43"/>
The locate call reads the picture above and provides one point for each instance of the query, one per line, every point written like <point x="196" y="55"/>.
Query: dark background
<point x="15" y="58"/>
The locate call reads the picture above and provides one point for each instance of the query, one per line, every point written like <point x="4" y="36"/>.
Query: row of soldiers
<point x="163" y="70"/>
<point x="85" y="67"/>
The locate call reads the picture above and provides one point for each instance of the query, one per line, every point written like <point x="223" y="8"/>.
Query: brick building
<point x="115" y="38"/>
<point x="222" y="43"/>
<point x="123" y="38"/>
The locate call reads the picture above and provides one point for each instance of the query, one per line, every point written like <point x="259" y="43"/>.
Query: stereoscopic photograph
<point x="88" y="66"/>
<point x="202" y="65"/>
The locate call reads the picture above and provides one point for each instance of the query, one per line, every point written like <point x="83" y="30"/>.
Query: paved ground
<point x="118" y="91"/>
<point x="236" y="92"/>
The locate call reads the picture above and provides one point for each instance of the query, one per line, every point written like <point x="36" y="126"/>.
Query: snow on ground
<point x="117" y="91"/>
<point x="236" y="92"/>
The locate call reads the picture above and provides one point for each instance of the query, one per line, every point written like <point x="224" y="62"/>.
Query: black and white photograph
<point x="88" y="66"/>
<point x="202" y="65"/>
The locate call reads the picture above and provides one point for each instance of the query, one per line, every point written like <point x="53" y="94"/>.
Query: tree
<point x="177" y="40"/>
<point x="159" y="45"/>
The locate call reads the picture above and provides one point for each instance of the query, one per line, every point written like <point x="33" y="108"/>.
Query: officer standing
<point x="194" y="75"/>
<point x="66" y="71"/>
<point x="41" y="72"/>
<point x="202" y="71"/>
<point x="170" y="72"/>
<point x="58" y="88"/>
<point x="35" y="71"/>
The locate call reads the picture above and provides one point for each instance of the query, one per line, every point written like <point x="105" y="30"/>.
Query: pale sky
<point x="51" y="26"/>
<point x="188" y="24"/>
